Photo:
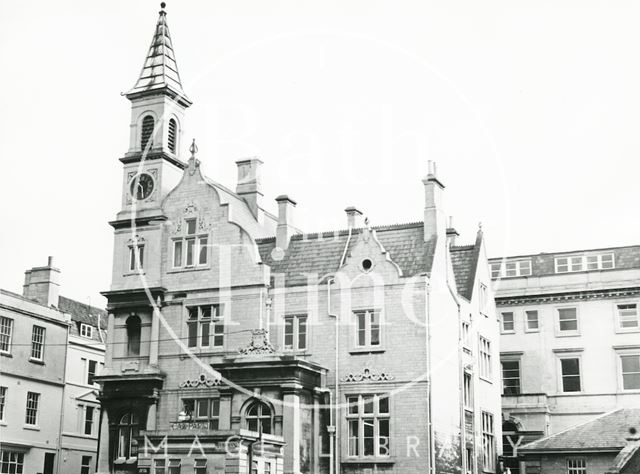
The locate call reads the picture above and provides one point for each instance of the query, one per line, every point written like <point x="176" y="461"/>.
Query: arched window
<point x="147" y="131"/>
<point x="128" y="427"/>
<point x="173" y="129"/>
<point x="133" y="336"/>
<point x="258" y="417"/>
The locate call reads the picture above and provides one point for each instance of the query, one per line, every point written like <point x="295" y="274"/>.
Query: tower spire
<point x="159" y="73"/>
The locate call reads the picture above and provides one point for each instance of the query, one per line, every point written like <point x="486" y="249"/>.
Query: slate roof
<point x="82" y="313"/>
<point x="464" y="260"/>
<point x="321" y="253"/>
<point x="606" y="432"/>
<point x="627" y="257"/>
<point x="160" y="70"/>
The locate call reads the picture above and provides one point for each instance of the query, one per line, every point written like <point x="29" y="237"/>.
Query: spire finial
<point x="163" y="5"/>
<point x="193" y="148"/>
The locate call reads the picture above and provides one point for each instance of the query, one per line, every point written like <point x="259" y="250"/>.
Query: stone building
<point x="239" y="344"/>
<point x="570" y="340"/>
<point x="43" y="339"/>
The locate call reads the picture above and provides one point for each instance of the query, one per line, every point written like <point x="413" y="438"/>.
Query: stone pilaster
<point x="291" y="430"/>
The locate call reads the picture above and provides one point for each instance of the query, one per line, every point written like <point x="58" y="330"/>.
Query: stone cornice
<point x="568" y="296"/>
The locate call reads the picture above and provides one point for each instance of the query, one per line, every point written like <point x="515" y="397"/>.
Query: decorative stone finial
<point x="163" y="5"/>
<point x="193" y="148"/>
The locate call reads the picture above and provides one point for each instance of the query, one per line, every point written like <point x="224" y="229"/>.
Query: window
<point x="85" y="466"/>
<point x="508" y="322"/>
<point x="12" y="462"/>
<point x="258" y="418"/>
<point x="579" y="263"/>
<point x="367" y="329"/>
<point x="485" y="358"/>
<point x="466" y="335"/>
<point x="205" y="409"/>
<point x="159" y="466"/>
<point x="570" y="370"/>
<point x="510" y="269"/>
<point x="200" y="466"/>
<point x="630" y="371"/>
<point x="468" y="460"/>
<point x="136" y="257"/>
<point x="31" y="415"/>
<point x="568" y="319"/>
<point x="6" y="328"/>
<point x="128" y="427"/>
<point x="510" y="377"/>
<point x="628" y="317"/>
<point x="147" y="131"/>
<point x="488" y="443"/>
<point x="88" y="419"/>
<point x="37" y="343"/>
<point x="205" y="325"/>
<point x="576" y="466"/>
<point x="3" y="401"/>
<point x="174" y="466"/>
<point x="533" y="323"/>
<point x="368" y="425"/>
<point x="86" y="330"/>
<point x="484" y="298"/>
<point x="91" y="371"/>
<point x="468" y="391"/>
<point x="173" y="128"/>
<point x="295" y="332"/>
<point x="191" y="250"/>
<point x="133" y="335"/>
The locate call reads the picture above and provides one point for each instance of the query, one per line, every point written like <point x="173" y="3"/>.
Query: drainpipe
<point x="64" y="390"/>
<point x="428" y="354"/>
<point x="333" y="411"/>
<point x="463" y="434"/>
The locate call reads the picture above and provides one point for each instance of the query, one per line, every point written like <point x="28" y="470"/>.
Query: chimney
<point x="354" y="217"/>
<point x="249" y="185"/>
<point x="452" y="233"/>
<point x="42" y="284"/>
<point x="434" y="219"/>
<point x="285" y="228"/>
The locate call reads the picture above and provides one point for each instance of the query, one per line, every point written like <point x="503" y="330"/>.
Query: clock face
<point x="141" y="186"/>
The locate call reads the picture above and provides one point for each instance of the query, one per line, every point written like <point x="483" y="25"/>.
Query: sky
<point x="531" y="111"/>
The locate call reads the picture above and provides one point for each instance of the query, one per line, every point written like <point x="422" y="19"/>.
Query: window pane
<point x="205" y="328"/>
<point x="202" y="259"/>
<point x="630" y="363"/>
<point x="193" y="334"/>
<point x="191" y="226"/>
<point x="375" y="329"/>
<point x="368" y="436"/>
<point x="203" y="408"/>
<point x="508" y="323"/>
<point x="383" y="438"/>
<point x="511" y="269"/>
<point x="353" y="437"/>
<point x="568" y="319"/>
<point x="190" y="250"/>
<point x="177" y="253"/>
<point x="383" y="404"/>
<point x="302" y="332"/>
<point x="362" y="331"/>
<point x="532" y="320"/>
<point x="570" y="375"/>
<point x="288" y="333"/>
<point x="367" y="403"/>
<point x="353" y="405"/>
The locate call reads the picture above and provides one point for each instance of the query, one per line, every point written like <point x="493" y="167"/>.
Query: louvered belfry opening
<point x="173" y="128"/>
<point x="147" y="131"/>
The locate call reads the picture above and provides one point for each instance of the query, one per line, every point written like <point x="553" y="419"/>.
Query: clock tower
<point x="153" y="165"/>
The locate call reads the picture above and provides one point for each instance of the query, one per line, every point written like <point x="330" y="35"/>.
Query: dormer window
<point x="511" y="268"/>
<point x="86" y="331"/>
<point x="173" y="130"/>
<point x="578" y="263"/>
<point x="147" y="131"/>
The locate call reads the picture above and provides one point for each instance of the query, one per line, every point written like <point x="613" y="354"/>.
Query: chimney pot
<point x="435" y="222"/>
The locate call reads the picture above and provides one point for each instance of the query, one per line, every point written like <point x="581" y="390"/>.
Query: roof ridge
<point x="343" y="232"/>
<point x="565" y="252"/>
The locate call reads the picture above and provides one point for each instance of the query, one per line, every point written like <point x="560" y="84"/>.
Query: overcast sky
<point x="530" y="109"/>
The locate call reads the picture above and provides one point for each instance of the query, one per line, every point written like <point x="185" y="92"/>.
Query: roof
<point x="160" y="70"/>
<point x="82" y="313"/>
<point x="606" y="432"/>
<point x="464" y="260"/>
<point x="627" y="257"/>
<point x="321" y="253"/>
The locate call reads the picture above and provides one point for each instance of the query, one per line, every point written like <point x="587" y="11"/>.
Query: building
<point x="606" y="444"/>
<point x="85" y="359"/>
<point x="239" y="344"/>
<point x="40" y="349"/>
<point x="570" y="340"/>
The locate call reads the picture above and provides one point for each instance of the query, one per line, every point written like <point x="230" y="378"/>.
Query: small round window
<point x="367" y="264"/>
